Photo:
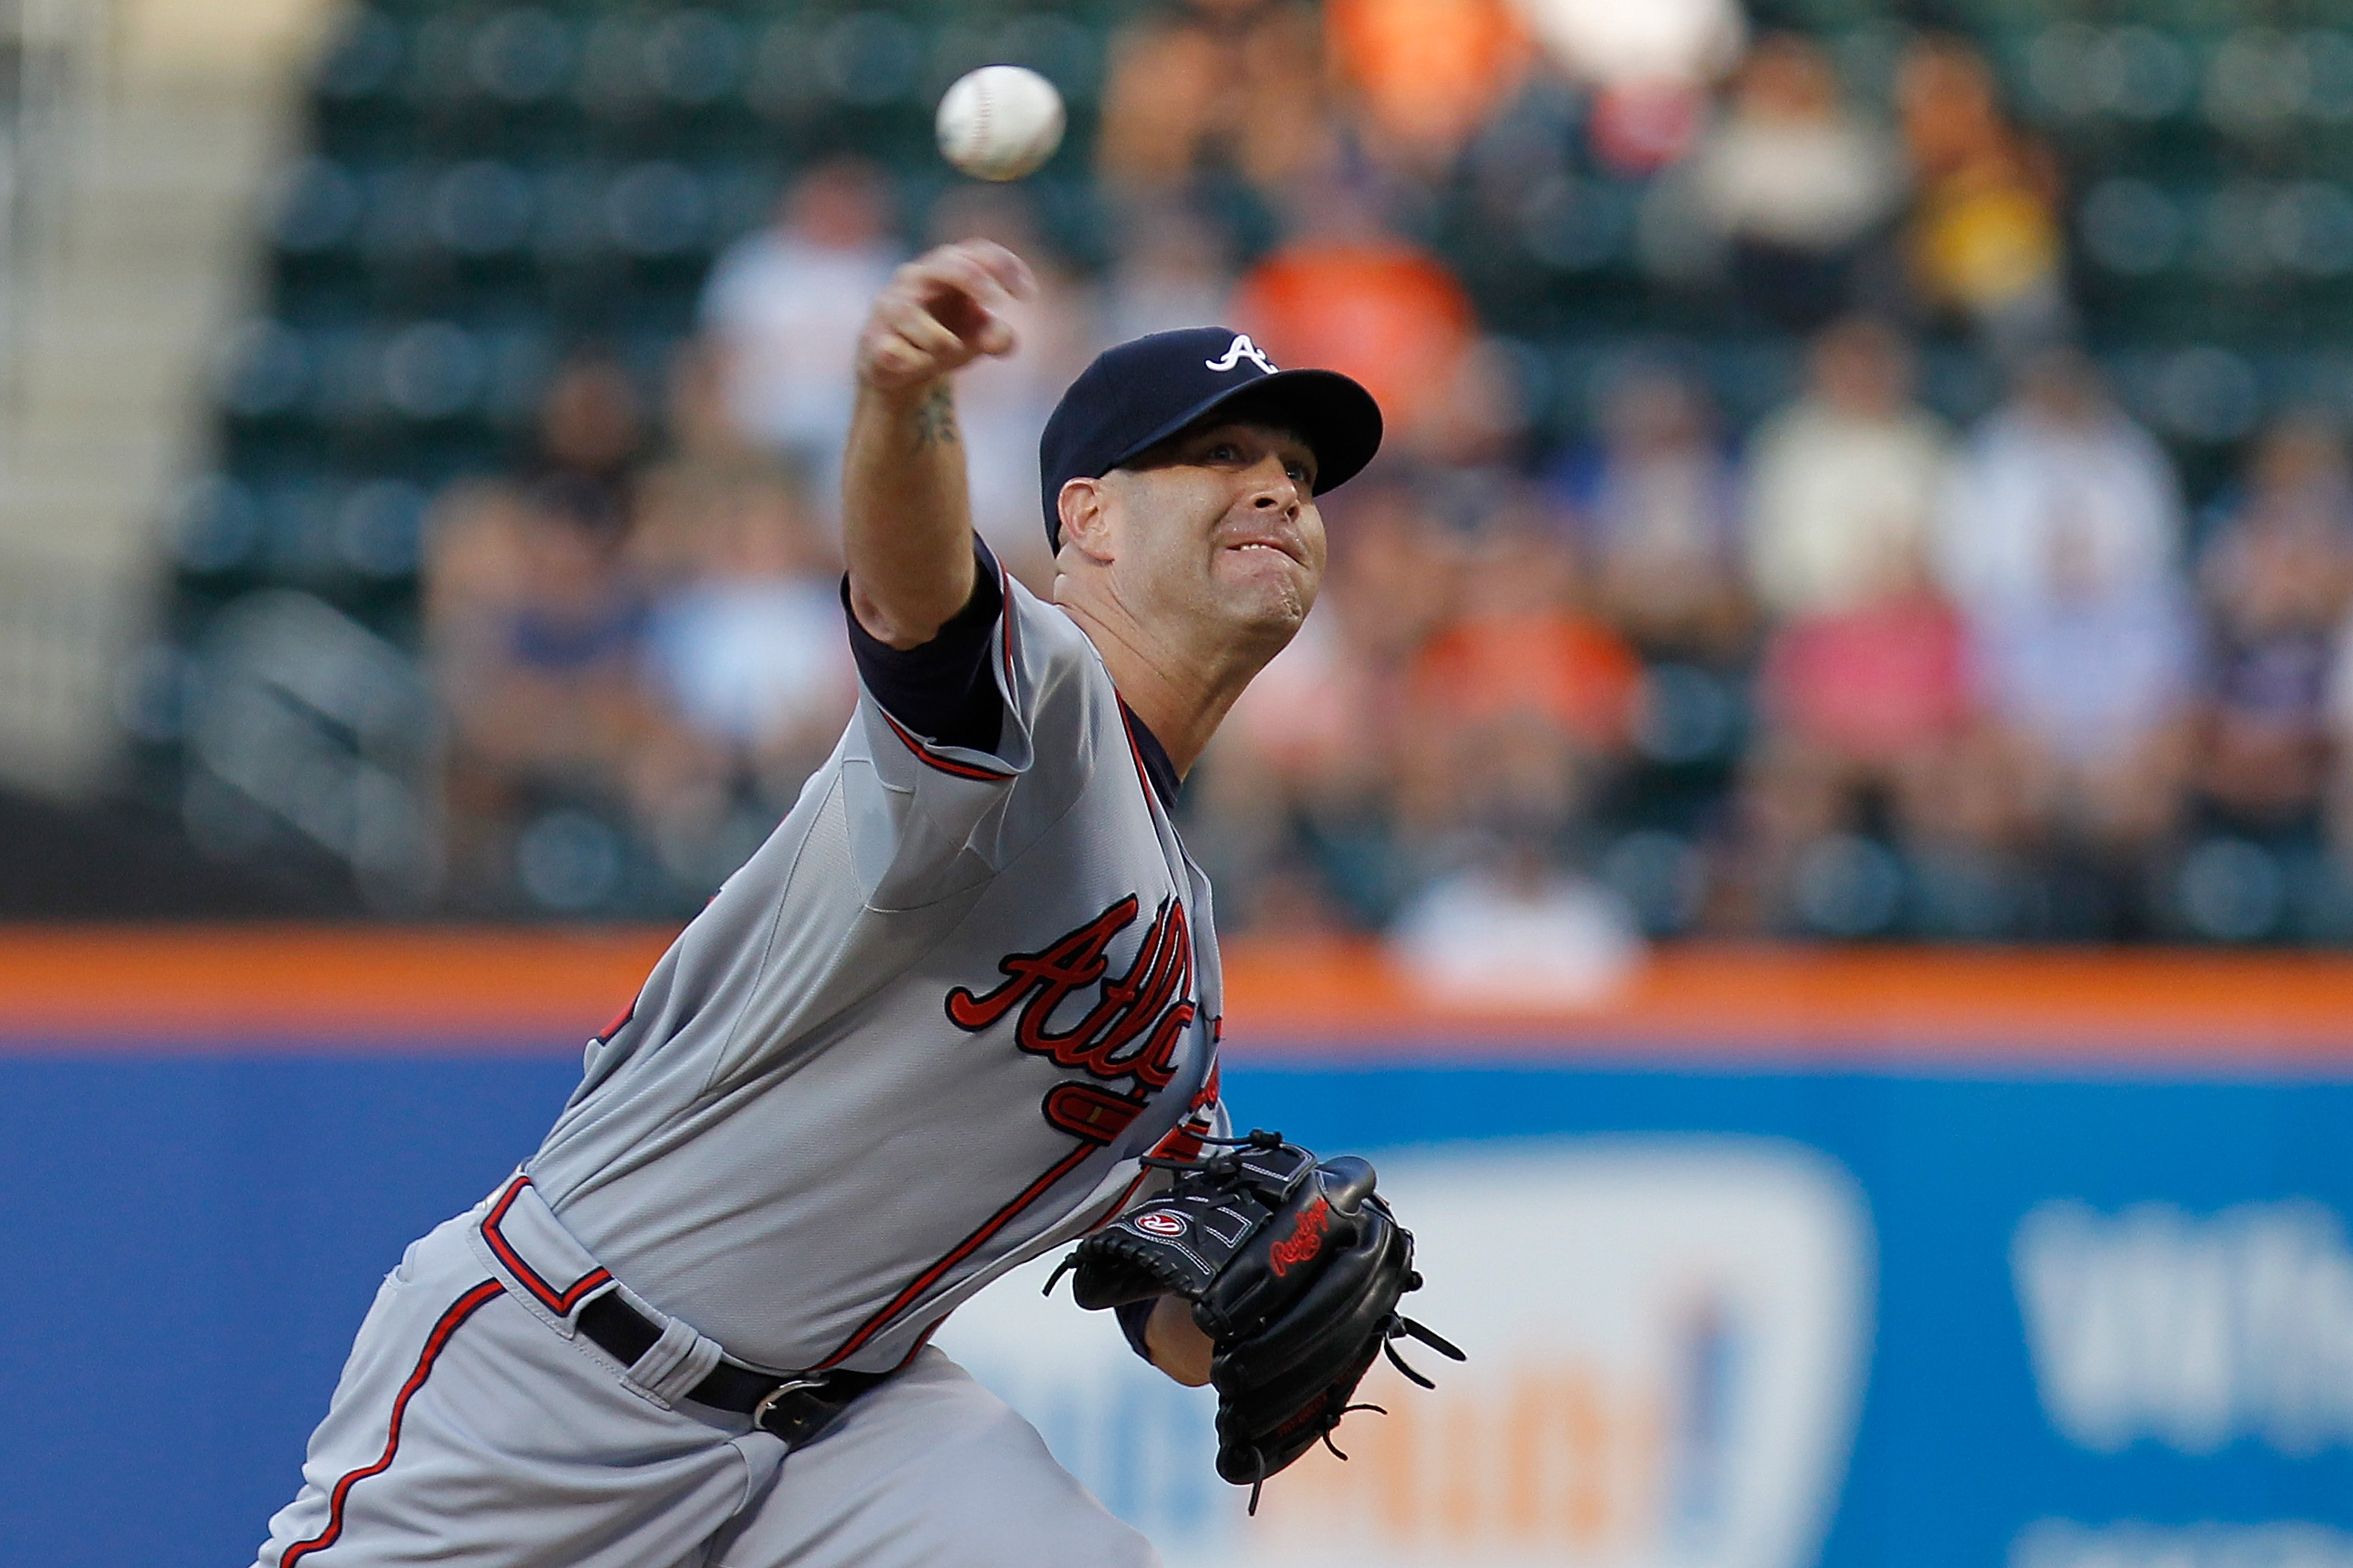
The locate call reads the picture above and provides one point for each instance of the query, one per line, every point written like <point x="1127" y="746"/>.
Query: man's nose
<point x="1276" y="488"/>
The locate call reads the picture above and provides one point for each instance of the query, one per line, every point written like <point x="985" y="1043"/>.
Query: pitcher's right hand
<point x="940" y="312"/>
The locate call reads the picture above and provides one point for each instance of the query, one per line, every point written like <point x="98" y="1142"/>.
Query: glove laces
<point x="1402" y="1326"/>
<point x="1258" y="1139"/>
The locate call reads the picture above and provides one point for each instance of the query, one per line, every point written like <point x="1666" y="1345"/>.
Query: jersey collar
<point x="1154" y="755"/>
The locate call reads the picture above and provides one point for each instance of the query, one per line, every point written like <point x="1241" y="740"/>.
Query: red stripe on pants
<point x="460" y="1310"/>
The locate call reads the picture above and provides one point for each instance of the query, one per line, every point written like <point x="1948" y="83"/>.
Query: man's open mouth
<point x="1268" y="545"/>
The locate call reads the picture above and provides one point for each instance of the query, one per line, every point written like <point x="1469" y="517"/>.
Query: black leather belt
<point x="797" y="1410"/>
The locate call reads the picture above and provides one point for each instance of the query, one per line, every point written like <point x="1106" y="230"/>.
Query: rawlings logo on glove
<point x="1293" y="1270"/>
<point x="1306" y="1237"/>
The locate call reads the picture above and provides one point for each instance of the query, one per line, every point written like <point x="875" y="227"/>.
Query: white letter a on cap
<point x="1243" y="348"/>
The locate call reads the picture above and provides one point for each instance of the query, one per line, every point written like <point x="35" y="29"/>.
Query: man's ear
<point x="1084" y="507"/>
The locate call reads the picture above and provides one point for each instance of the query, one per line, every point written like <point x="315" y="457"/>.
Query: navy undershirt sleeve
<point x="1133" y="1316"/>
<point x="944" y="690"/>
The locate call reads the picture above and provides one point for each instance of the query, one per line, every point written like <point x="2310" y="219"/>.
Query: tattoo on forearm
<point x="935" y="420"/>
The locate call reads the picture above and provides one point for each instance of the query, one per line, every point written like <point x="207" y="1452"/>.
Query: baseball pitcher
<point x="961" y="1009"/>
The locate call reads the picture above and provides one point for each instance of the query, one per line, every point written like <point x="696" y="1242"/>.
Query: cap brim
<point x="1335" y="417"/>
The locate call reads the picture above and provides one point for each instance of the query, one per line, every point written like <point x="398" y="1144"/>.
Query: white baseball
<point x="1000" y="122"/>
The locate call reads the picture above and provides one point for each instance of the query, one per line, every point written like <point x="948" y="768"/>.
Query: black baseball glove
<point x="1293" y="1270"/>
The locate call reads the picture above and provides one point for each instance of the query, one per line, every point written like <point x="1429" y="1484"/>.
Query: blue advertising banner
<point x="1762" y="1318"/>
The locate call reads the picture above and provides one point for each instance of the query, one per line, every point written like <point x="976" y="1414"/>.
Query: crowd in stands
<point x="1848" y="669"/>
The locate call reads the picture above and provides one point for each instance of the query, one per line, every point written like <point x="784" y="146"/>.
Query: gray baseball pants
<point x="472" y="1426"/>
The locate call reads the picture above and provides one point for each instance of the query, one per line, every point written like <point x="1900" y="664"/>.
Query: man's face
<point x="1220" y="524"/>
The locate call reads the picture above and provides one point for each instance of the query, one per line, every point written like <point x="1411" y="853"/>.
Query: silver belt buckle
<point x="768" y="1399"/>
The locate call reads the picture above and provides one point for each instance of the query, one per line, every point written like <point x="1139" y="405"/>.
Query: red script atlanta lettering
<point x="1133" y="1028"/>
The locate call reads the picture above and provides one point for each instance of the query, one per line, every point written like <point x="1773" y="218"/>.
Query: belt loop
<point x="681" y="1358"/>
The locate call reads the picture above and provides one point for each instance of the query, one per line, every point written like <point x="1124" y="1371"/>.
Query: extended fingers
<point x="1002" y="267"/>
<point x="981" y="267"/>
<point x="909" y="319"/>
<point x="968" y="284"/>
<point x="973" y="271"/>
<point x="892" y="361"/>
<point x="992" y="336"/>
<point x="936" y="314"/>
<point x="905" y="342"/>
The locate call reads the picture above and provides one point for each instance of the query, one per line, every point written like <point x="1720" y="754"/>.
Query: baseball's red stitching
<point x="460" y="1310"/>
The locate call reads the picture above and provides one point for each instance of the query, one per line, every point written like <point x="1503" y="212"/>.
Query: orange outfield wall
<point x="456" y="989"/>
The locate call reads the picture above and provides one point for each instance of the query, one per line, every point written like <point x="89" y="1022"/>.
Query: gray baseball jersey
<point x="926" y="1033"/>
<point x="922" y="1036"/>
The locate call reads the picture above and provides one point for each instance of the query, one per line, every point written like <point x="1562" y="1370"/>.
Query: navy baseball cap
<point x="1138" y="394"/>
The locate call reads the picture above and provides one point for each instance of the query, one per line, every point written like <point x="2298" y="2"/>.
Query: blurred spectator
<point x="1293" y="806"/>
<point x="708" y="466"/>
<point x="1794" y="184"/>
<point x="1637" y="128"/>
<point x="1471" y="436"/>
<point x="2061" y="541"/>
<point x="2277" y="582"/>
<point x="1863" y="697"/>
<point x="1393" y="572"/>
<point x="1843" y="484"/>
<point x="591" y="438"/>
<point x="1002" y="404"/>
<point x="745" y="640"/>
<point x="1347" y="294"/>
<point x="1984" y="236"/>
<point x="1305" y="720"/>
<point x="1646" y="68"/>
<point x="532" y="626"/>
<point x="1520" y="705"/>
<point x="1515" y="714"/>
<point x="1867" y="728"/>
<point x="1861" y="702"/>
<point x="1513" y="929"/>
<point x="1171" y="270"/>
<point x="1656" y="505"/>
<point x="1297" y="809"/>
<point x="1525" y="160"/>
<point x="786" y="306"/>
<point x="1427" y="73"/>
<point x="2060" y="493"/>
<point x="1669" y="44"/>
<point x="1217" y="85"/>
